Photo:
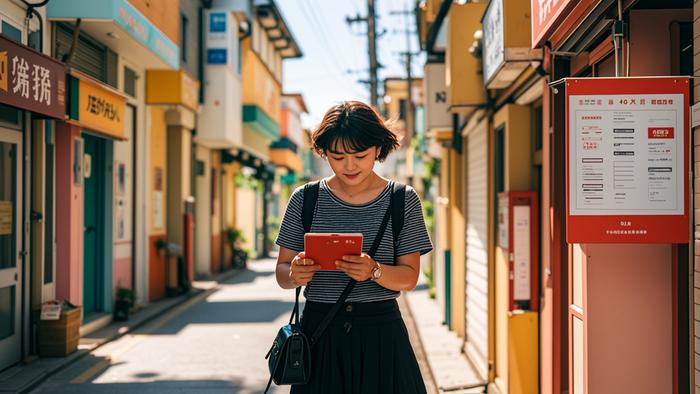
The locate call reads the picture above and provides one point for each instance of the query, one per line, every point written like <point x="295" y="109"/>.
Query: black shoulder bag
<point x="289" y="358"/>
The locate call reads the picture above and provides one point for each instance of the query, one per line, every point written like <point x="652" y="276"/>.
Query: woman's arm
<point x="403" y="276"/>
<point x="400" y="277"/>
<point x="293" y="270"/>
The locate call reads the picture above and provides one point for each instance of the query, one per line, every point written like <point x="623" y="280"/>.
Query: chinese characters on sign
<point x="627" y="160"/>
<point x="30" y="80"/>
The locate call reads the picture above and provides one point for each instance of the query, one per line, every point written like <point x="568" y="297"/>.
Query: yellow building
<point x="402" y="113"/>
<point x="270" y="42"/>
<point x="489" y="146"/>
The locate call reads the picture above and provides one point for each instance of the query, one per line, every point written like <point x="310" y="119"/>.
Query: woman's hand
<point x="357" y="267"/>
<point x="302" y="270"/>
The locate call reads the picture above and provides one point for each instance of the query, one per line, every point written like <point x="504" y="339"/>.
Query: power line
<point x="331" y="56"/>
<point x="370" y="20"/>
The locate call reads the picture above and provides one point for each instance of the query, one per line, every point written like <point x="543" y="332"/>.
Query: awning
<point x="128" y="30"/>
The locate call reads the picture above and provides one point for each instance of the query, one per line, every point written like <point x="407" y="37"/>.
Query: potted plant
<point x="235" y="239"/>
<point x="123" y="304"/>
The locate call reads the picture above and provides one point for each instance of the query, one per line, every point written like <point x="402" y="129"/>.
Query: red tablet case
<point x="326" y="248"/>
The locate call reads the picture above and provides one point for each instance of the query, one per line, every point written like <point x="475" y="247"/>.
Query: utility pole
<point x="370" y="19"/>
<point x="410" y="111"/>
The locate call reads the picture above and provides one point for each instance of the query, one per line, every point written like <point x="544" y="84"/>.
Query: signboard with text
<point x="493" y="44"/>
<point x="544" y="14"/>
<point x="437" y="112"/>
<point x="627" y="160"/>
<point x="96" y="106"/>
<point x="30" y="80"/>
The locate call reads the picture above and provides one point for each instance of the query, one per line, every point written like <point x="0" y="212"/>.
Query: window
<point x="35" y="40"/>
<point x="402" y="108"/>
<point x="130" y="81"/>
<point x="183" y="37"/>
<point x="11" y="32"/>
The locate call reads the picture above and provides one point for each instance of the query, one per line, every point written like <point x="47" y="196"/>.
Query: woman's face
<point x="352" y="168"/>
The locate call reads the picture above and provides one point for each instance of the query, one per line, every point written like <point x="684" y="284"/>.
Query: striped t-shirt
<point x="333" y="215"/>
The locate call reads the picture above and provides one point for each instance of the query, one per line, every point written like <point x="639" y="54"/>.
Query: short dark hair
<point x="356" y="127"/>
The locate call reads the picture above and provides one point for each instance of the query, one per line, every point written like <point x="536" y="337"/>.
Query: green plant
<point x="124" y="294"/>
<point x="160" y="244"/>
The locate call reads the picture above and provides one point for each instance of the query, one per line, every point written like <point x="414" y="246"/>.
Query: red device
<point x="326" y="248"/>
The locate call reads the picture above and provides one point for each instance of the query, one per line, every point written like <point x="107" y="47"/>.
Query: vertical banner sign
<point x="627" y="145"/>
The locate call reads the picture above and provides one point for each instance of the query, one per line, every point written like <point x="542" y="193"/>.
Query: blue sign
<point x="217" y="22"/>
<point x="216" y="56"/>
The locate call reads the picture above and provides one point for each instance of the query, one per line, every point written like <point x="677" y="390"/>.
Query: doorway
<point x="10" y="241"/>
<point x="93" y="228"/>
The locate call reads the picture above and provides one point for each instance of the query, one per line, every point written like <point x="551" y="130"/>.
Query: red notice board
<point x="627" y="160"/>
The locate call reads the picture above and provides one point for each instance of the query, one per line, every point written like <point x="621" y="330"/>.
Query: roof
<point x="300" y="100"/>
<point x="276" y="28"/>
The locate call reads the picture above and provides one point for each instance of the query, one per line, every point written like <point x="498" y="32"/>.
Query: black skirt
<point x="365" y="350"/>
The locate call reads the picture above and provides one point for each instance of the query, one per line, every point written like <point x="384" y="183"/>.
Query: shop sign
<point x="438" y="115"/>
<point x="492" y="53"/>
<point x="32" y="81"/>
<point x="6" y="213"/>
<point x="544" y="14"/>
<point x="98" y="108"/>
<point x="172" y="87"/>
<point x="627" y="160"/>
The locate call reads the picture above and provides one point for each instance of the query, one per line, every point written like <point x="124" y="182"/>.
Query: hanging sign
<point x="31" y="80"/>
<point x="96" y="106"/>
<point x="627" y="160"/>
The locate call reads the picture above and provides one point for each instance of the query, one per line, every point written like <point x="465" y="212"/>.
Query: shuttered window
<point x="89" y="56"/>
<point x="477" y="271"/>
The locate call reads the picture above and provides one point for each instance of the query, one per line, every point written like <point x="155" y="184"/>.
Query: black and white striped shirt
<point x="333" y="215"/>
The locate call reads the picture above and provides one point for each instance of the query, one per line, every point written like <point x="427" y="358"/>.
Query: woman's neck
<point x="354" y="190"/>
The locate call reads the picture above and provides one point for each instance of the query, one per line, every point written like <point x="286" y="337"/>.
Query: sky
<point x="335" y="54"/>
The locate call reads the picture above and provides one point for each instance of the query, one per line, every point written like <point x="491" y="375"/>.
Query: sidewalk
<point x="443" y="348"/>
<point x="27" y="375"/>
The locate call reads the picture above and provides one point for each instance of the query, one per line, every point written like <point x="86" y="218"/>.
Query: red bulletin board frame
<point x="529" y="199"/>
<point x="659" y="228"/>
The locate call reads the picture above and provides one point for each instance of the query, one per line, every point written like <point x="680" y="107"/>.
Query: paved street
<point x="214" y="345"/>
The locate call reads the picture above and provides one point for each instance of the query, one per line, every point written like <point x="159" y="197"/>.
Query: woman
<point x="365" y="349"/>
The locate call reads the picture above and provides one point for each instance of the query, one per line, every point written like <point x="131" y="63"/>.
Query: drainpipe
<point x="619" y="30"/>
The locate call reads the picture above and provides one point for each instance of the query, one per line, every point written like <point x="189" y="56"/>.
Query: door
<point x="477" y="256"/>
<point x="10" y="247"/>
<point x="93" y="225"/>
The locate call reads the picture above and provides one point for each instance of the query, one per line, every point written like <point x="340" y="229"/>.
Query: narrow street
<point x="213" y="345"/>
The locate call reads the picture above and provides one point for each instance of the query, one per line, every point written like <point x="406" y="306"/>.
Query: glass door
<point x="10" y="237"/>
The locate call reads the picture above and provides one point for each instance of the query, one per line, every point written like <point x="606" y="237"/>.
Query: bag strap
<point x="398" y="209"/>
<point x="346" y="292"/>
<point x="310" y="197"/>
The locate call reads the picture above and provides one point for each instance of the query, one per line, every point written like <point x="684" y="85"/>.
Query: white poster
<point x="626" y="154"/>
<point x="521" y="252"/>
<point x="158" y="221"/>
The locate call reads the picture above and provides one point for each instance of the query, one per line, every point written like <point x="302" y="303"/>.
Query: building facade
<point x="565" y="317"/>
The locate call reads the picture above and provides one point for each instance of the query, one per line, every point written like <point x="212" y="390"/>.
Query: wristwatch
<point x="376" y="272"/>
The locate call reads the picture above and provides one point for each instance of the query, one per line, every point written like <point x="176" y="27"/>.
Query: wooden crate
<point x="59" y="338"/>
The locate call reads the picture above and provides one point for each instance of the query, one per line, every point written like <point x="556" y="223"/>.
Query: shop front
<point x="606" y="260"/>
<point x="85" y="193"/>
<point x="176" y="93"/>
<point x="32" y="95"/>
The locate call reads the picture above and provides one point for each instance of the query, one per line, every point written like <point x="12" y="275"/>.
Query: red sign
<point x="627" y="160"/>
<point x="660" y="132"/>
<point x="544" y="14"/>
<point x="31" y="80"/>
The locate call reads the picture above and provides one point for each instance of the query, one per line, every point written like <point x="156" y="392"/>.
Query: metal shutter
<point x="477" y="300"/>
<point x="89" y="57"/>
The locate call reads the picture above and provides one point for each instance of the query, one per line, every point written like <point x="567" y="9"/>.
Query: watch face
<point x="377" y="273"/>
